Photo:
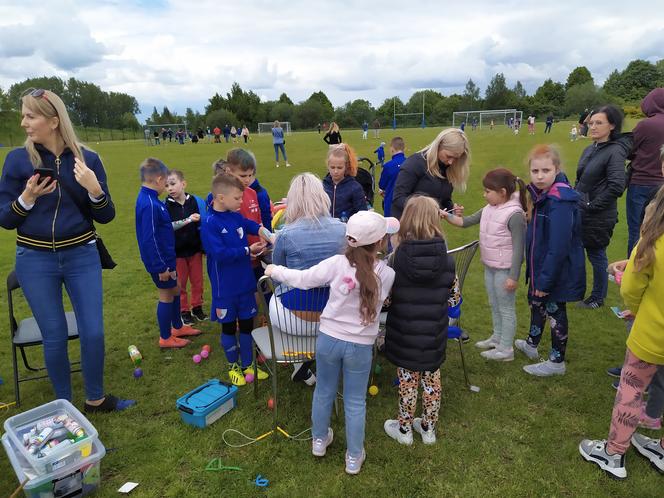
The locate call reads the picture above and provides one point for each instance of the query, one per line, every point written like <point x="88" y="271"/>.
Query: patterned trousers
<point x="409" y="382"/>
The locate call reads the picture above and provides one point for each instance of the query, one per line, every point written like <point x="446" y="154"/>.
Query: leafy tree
<point x="638" y="78"/>
<point x="584" y="96"/>
<point x="327" y="107"/>
<point x="614" y="83"/>
<point x="167" y="117"/>
<point x="386" y="110"/>
<point x="284" y="99"/>
<point x="549" y="98"/>
<point x="308" y="114"/>
<point x="497" y="95"/>
<point x="471" y="95"/>
<point x="52" y="83"/>
<point x="155" y="117"/>
<point x="219" y="117"/>
<point x="578" y="76"/>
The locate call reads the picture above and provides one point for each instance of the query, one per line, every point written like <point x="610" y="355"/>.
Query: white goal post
<point x="484" y="118"/>
<point x="267" y="127"/>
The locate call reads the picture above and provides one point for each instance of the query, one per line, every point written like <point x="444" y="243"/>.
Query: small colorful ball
<point x="205" y="353"/>
<point x="270" y="403"/>
<point x="373" y="390"/>
<point x="249" y="378"/>
<point x="206" y="347"/>
<point x="138" y="372"/>
<point x="196" y="358"/>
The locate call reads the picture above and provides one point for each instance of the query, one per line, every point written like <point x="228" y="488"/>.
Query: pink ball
<point x="249" y="378"/>
<point x="205" y="353"/>
<point x="196" y="358"/>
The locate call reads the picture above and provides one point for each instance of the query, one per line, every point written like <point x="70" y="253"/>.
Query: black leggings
<point x="230" y="328"/>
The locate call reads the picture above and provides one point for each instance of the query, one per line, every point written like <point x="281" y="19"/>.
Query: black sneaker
<point x="614" y="372"/>
<point x="304" y="374"/>
<point x="199" y="314"/>
<point x="187" y="319"/>
<point x="465" y="338"/>
<point x="590" y="303"/>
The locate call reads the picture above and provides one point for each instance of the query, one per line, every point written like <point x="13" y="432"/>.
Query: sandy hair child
<point x="224" y="235"/>
<point x="416" y="328"/>
<point x="185" y="211"/>
<point x="641" y="288"/>
<point x="359" y="283"/>
<point x="346" y="194"/>
<point x="388" y="176"/>
<point x="573" y="133"/>
<point x="156" y="243"/>
<point x="502" y="233"/>
<point x="555" y="261"/>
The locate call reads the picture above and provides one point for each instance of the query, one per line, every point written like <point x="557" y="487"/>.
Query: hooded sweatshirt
<point x="648" y="138"/>
<point x="416" y="328"/>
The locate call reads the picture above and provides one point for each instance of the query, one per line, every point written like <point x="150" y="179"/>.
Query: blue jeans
<point x="334" y="356"/>
<point x="283" y="151"/>
<point x="636" y="199"/>
<point x="42" y="275"/>
<point x="599" y="262"/>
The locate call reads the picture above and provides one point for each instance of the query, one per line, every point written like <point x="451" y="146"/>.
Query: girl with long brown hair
<point x="359" y="283"/>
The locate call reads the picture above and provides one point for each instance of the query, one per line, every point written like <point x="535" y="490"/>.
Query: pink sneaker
<point x="647" y="422"/>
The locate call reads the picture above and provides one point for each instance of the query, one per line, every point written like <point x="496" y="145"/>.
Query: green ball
<point x="378" y="369"/>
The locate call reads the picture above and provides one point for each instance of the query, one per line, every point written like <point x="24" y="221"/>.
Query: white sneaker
<point x="277" y="165"/>
<point x="288" y="165"/>
<point x="545" y="368"/>
<point x="319" y="446"/>
<point x="354" y="464"/>
<point x="489" y="343"/>
<point x="499" y="354"/>
<point x="392" y="429"/>
<point x="527" y="349"/>
<point x="650" y="449"/>
<point x="428" y="436"/>
<point x="595" y="452"/>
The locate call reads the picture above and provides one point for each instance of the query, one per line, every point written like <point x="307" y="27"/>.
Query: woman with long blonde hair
<point x="436" y="171"/>
<point x="51" y="191"/>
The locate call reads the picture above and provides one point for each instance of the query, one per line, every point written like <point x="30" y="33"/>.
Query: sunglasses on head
<point x="38" y="93"/>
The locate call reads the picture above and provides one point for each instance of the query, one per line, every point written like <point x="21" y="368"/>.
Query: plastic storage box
<point x="77" y="479"/>
<point x="208" y="403"/>
<point x="21" y="424"/>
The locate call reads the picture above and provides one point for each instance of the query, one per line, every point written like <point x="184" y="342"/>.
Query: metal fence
<point x="16" y="137"/>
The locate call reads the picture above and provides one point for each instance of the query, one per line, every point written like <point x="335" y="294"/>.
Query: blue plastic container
<point x="207" y="403"/>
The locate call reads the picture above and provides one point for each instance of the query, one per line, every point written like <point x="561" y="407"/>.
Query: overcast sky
<point x="180" y="53"/>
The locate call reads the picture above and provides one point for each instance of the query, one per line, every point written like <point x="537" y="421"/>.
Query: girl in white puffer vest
<point x="502" y="235"/>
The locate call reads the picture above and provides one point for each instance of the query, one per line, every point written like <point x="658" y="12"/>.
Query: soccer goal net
<point x="267" y="127"/>
<point x="408" y="120"/>
<point x="487" y="118"/>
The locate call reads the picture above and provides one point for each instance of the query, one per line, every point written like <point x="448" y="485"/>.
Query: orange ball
<point x="270" y="403"/>
<point x="206" y="347"/>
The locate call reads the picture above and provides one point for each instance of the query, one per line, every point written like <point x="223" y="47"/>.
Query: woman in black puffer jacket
<point x="416" y="329"/>
<point x="600" y="179"/>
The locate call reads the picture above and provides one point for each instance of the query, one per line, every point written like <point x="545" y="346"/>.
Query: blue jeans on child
<point x="636" y="199"/>
<point x="599" y="262"/>
<point x="503" y="305"/>
<point x="42" y="275"/>
<point x="281" y="147"/>
<point x="334" y="356"/>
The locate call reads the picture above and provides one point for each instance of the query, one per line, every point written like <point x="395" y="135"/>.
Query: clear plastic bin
<point x="21" y="424"/>
<point x="78" y="479"/>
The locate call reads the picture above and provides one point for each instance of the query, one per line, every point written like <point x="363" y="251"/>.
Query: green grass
<point x="517" y="437"/>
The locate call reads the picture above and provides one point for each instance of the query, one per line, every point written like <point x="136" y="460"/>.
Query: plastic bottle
<point x="53" y="422"/>
<point x="73" y="427"/>
<point x="135" y="355"/>
<point x="344" y="217"/>
<point x="45" y="451"/>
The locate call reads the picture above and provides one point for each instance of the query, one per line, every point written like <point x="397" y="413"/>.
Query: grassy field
<point x="517" y="437"/>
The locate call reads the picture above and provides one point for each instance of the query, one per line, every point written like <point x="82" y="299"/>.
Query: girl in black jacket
<point x="416" y="329"/>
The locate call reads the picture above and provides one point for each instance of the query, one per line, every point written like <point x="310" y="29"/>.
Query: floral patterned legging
<point x="635" y="376"/>
<point x="409" y="382"/>
<point x="557" y="315"/>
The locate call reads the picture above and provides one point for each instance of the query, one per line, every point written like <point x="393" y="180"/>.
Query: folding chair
<point x="292" y="338"/>
<point x="463" y="256"/>
<point x="26" y="334"/>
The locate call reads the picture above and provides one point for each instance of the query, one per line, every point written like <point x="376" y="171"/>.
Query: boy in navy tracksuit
<point x="156" y="243"/>
<point x="185" y="211"/>
<point x="388" y="177"/>
<point x="380" y="153"/>
<point x="224" y="234"/>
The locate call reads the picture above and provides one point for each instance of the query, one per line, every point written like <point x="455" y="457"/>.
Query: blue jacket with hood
<point x="555" y="261"/>
<point x="347" y="196"/>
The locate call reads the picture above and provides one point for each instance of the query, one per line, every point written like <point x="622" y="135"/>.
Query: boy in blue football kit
<point x="156" y="243"/>
<point x="224" y="235"/>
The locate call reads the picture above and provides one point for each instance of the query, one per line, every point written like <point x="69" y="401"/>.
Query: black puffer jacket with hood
<point x="600" y="179"/>
<point x="416" y="329"/>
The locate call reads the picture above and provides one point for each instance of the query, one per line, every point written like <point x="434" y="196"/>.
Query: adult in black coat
<point x="600" y="179"/>
<point x="435" y="171"/>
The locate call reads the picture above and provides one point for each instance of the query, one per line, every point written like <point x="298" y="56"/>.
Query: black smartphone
<point x="45" y="172"/>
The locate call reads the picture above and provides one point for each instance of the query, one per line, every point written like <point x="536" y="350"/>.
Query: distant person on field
<point x="645" y="173"/>
<point x="380" y="153"/>
<point x="376" y="128"/>
<point x="388" y="176"/>
<point x="333" y="135"/>
<point x="227" y="132"/>
<point x="462" y="127"/>
<point x="318" y="127"/>
<point x="531" y="124"/>
<point x="234" y="134"/>
<point x="185" y="210"/>
<point x="573" y="134"/>
<point x="245" y="133"/>
<point x="583" y="122"/>
<point x="217" y="135"/>
<point x="346" y="194"/>
<point x="279" y="142"/>
<point x="365" y="130"/>
<point x="156" y="137"/>
<point x="549" y="123"/>
<point x="156" y="243"/>
<point x="208" y="135"/>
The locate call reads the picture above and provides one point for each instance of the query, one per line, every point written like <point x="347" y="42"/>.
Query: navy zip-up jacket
<point x="55" y="221"/>
<point x="264" y="204"/>
<point x="154" y="232"/>
<point x="555" y="261"/>
<point x="347" y="196"/>
<point x="187" y="238"/>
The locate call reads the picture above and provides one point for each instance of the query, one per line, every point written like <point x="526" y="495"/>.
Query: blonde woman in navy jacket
<point x="56" y="241"/>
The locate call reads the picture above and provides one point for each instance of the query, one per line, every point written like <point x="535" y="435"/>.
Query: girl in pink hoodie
<point x="359" y="283"/>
